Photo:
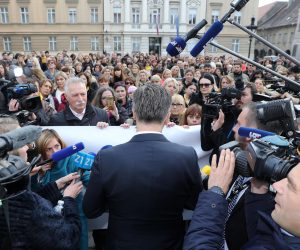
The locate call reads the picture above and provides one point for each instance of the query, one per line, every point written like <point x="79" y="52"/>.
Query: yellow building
<point x="123" y="26"/>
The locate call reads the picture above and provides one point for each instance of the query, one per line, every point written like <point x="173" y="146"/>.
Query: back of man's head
<point x="151" y="103"/>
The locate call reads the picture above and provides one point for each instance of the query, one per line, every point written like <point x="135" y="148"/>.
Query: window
<point x="135" y="15"/>
<point x="7" y="44"/>
<point x="95" y="43"/>
<point x="173" y="16"/>
<point x="72" y="15"/>
<point x="4" y="15"/>
<point x="27" y="43"/>
<point x="117" y="14"/>
<point x="237" y="17"/>
<point x="52" y="43"/>
<point x="279" y="38"/>
<point x="236" y="45"/>
<point x="24" y="15"/>
<point x="284" y="38"/>
<point x="117" y="43"/>
<point x="51" y="15"/>
<point x="136" y="44"/>
<point x="192" y="16"/>
<point x="94" y="15"/>
<point x="74" y="43"/>
<point x="215" y="15"/>
<point x="291" y="37"/>
<point x="294" y="51"/>
<point x="155" y="16"/>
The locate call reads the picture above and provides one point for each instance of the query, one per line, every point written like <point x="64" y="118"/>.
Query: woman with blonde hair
<point x="166" y="74"/>
<point x="177" y="109"/>
<point x="226" y="82"/>
<point x="171" y="85"/>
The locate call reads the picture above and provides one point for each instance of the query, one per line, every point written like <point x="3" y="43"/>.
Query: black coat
<point x="145" y="183"/>
<point x="35" y="225"/>
<point x="92" y="116"/>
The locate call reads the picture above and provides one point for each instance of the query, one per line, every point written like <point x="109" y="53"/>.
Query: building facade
<point x="52" y="25"/>
<point x="278" y="26"/>
<point x="231" y="36"/>
<point x="122" y="26"/>
<point x="296" y="42"/>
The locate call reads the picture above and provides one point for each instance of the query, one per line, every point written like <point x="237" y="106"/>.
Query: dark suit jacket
<point x="145" y="184"/>
<point x="91" y="117"/>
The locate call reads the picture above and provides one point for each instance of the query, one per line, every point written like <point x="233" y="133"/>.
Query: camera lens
<point x="241" y="164"/>
<point x="275" y="169"/>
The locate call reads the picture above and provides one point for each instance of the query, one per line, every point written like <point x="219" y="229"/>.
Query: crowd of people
<point x="146" y="204"/>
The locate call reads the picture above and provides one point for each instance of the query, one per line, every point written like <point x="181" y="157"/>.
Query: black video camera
<point x="220" y="101"/>
<point x="21" y="92"/>
<point x="279" y="110"/>
<point x="270" y="158"/>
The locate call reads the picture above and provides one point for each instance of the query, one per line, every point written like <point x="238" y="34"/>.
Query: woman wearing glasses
<point x="206" y="86"/>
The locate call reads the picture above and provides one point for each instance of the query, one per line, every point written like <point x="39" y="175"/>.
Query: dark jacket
<point x="207" y="225"/>
<point x="269" y="237"/>
<point x="92" y="116"/>
<point x="208" y="222"/>
<point x="214" y="139"/>
<point x="145" y="183"/>
<point x="35" y="225"/>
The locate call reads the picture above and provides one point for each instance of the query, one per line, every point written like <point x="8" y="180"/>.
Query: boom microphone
<point x="178" y="45"/>
<point x="210" y="34"/>
<point x="238" y="4"/>
<point x="64" y="153"/>
<point x="253" y="133"/>
<point x="18" y="138"/>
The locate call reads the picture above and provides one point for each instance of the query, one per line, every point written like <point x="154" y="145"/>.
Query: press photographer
<point x="24" y="100"/>
<point x="220" y="113"/>
<point x="278" y="229"/>
<point x="27" y="220"/>
<point x="246" y="210"/>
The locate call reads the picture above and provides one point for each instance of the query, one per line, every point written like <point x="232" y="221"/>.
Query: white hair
<point x="71" y="81"/>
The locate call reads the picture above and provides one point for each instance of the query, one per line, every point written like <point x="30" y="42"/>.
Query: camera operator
<point x="236" y="222"/>
<point x="279" y="231"/>
<point x="27" y="220"/>
<point x="216" y="132"/>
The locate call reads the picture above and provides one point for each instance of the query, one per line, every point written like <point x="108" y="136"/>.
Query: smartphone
<point x="110" y="103"/>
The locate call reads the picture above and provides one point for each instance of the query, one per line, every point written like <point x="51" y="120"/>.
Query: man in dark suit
<point x="78" y="112"/>
<point x="145" y="183"/>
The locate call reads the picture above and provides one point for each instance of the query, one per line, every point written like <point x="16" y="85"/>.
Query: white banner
<point x="94" y="138"/>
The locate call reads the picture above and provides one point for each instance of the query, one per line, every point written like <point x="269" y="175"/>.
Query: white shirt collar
<point x="148" y="132"/>
<point x="78" y="115"/>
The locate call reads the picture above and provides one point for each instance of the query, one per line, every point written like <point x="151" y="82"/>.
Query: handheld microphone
<point x="18" y="138"/>
<point x="210" y="34"/>
<point x="178" y="45"/>
<point x="84" y="161"/>
<point x="253" y="133"/>
<point x="64" y="153"/>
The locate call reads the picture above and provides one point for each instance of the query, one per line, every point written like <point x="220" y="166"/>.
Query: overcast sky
<point x="264" y="2"/>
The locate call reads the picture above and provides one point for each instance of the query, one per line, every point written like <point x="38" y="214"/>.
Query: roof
<point x="263" y="10"/>
<point x="280" y="14"/>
